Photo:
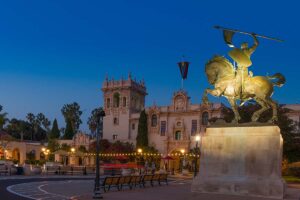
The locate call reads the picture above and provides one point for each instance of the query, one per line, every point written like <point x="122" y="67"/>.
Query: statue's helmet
<point x="244" y="45"/>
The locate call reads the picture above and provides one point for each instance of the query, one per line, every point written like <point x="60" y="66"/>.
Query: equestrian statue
<point x="235" y="82"/>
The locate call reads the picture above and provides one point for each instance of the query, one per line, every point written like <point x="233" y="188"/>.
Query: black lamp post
<point x="97" y="191"/>
<point x="140" y="151"/>
<point x="196" y="159"/>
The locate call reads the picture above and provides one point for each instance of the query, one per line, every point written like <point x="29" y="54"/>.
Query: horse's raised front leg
<point x="216" y="92"/>
<point x="234" y="107"/>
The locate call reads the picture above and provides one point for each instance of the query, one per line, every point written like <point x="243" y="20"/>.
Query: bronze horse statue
<point x="227" y="82"/>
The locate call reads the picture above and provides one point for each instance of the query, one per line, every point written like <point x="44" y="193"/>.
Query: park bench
<point x="4" y="170"/>
<point x="155" y="178"/>
<point x="133" y="181"/>
<point x="111" y="181"/>
<point x="125" y="181"/>
<point x="147" y="179"/>
<point x="136" y="180"/>
<point x="52" y="170"/>
<point x="70" y="170"/>
<point x="78" y="170"/>
<point x="163" y="178"/>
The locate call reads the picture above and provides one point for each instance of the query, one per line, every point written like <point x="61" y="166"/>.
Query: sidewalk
<point x="178" y="192"/>
<point x="179" y="188"/>
<point x="14" y="177"/>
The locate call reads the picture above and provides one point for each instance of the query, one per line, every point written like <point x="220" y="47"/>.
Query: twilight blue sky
<point x="56" y="52"/>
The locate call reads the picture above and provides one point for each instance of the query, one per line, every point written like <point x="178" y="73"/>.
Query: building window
<point x="205" y="118"/>
<point x="116" y="121"/>
<point x="178" y="135"/>
<point x="194" y="127"/>
<point x="115" y="137"/>
<point x="154" y="121"/>
<point x="163" y="128"/>
<point x="133" y="126"/>
<point x="108" y="103"/>
<point x="116" y="100"/>
<point x="124" y="102"/>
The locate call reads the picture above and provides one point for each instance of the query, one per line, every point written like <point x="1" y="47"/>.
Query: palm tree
<point x="36" y="122"/>
<point x="3" y="118"/>
<point x="93" y="120"/>
<point x="32" y="119"/>
<point x="42" y="120"/>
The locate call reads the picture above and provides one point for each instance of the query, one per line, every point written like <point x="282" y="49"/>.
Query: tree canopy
<point x="39" y="125"/>
<point x="93" y="120"/>
<point x="69" y="132"/>
<point x="72" y="113"/>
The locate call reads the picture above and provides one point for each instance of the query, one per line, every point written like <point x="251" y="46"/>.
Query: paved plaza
<point x="178" y="189"/>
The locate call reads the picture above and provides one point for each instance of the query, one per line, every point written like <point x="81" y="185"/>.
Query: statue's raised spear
<point x="228" y="33"/>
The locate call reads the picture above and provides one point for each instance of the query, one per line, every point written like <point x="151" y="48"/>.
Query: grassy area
<point x="291" y="179"/>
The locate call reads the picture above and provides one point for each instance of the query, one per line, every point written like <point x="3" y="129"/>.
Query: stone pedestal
<point x="241" y="161"/>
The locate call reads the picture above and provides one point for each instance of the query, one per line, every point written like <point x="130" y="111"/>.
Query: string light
<point x="142" y="154"/>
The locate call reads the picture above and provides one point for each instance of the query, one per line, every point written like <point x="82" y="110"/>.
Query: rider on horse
<point x="242" y="58"/>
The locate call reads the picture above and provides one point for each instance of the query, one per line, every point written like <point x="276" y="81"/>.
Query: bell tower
<point x="122" y="98"/>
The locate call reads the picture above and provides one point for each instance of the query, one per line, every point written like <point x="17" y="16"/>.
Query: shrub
<point x="294" y="171"/>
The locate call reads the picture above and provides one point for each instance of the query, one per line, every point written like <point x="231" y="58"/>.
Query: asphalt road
<point x="5" y="195"/>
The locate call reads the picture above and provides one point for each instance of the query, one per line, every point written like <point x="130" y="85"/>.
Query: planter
<point x="13" y="170"/>
<point x="20" y="170"/>
<point x="36" y="170"/>
<point x="27" y="169"/>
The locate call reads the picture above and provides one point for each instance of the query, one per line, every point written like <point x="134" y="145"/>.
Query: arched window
<point x="205" y="118"/>
<point x="124" y="102"/>
<point x="177" y="135"/>
<point x="116" y="100"/>
<point x="108" y="103"/>
<point x="154" y="120"/>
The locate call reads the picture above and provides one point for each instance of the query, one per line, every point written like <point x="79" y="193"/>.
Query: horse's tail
<point x="280" y="79"/>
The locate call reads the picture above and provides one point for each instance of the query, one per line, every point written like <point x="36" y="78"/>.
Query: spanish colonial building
<point x="170" y="128"/>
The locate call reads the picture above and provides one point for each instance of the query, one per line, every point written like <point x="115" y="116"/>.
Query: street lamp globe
<point x="140" y="150"/>
<point x="198" y="138"/>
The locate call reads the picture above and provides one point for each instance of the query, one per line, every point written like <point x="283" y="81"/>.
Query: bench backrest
<point x="111" y="180"/>
<point x="155" y="177"/>
<point x="136" y="179"/>
<point x="125" y="180"/>
<point x="52" y="168"/>
<point x="78" y="168"/>
<point x="3" y="167"/>
<point x="147" y="177"/>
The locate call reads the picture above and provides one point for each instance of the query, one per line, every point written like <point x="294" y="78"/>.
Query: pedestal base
<point x="241" y="161"/>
